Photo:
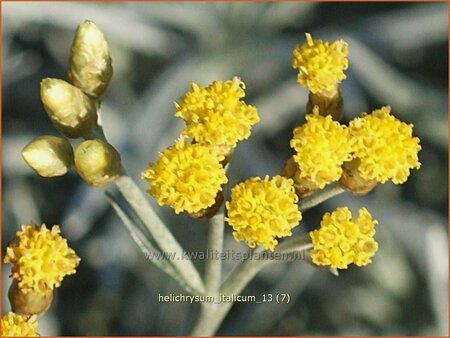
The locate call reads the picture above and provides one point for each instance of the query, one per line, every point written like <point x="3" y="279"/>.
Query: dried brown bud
<point x="352" y="181"/>
<point x="30" y="303"/>
<point x="49" y="156"/>
<point x="90" y="67"/>
<point x="210" y="211"/>
<point x="71" y="111"/>
<point x="303" y="187"/>
<point x="329" y="103"/>
<point x="97" y="162"/>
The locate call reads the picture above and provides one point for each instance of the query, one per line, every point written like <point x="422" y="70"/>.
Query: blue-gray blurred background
<point x="398" y="57"/>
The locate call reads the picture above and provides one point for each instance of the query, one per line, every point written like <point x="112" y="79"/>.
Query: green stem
<point x="320" y="196"/>
<point x="213" y="266"/>
<point x="213" y="274"/>
<point x="147" y="247"/>
<point x="209" y="319"/>
<point x="161" y="234"/>
<point x="245" y="272"/>
<point x="294" y="244"/>
<point x="212" y="315"/>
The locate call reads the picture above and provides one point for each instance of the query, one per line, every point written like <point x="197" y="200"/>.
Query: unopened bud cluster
<point x="72" y="107"/>
<point x="41" y="257"/>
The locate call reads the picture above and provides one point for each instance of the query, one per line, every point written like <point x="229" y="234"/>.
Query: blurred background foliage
<point x="398" y="56"/>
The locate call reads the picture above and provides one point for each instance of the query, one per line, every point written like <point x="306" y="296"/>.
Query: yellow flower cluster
<point x="262" y="209"/>
<point x="384" y="146"/>
<point x="341" y="241"/>
<point x="321" y="65"/>
<point x="321" y="146"/>
<point x="41" y="258"/>
<point x="215" y="115"/>
<point x="186" y="176"/>
<point x="17" y="326"/>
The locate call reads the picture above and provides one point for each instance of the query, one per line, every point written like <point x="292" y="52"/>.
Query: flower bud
<point x="30" y="303"/>
<point x="352" y="181"/>
<point x="49" y="156"/>
<point x="90" y="66"/>
<point x="97" y="162"/>
<point x="71" y="111"/>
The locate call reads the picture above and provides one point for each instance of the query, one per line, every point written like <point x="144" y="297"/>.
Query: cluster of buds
<point x="40" y="259"/>
<point x="72" y="107"/>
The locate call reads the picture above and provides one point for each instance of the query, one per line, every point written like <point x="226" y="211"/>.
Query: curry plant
<point x="190" y="176"/>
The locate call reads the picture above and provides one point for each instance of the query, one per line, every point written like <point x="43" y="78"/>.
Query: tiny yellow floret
<point x="216" y="115"/>
<point x="260" y="210"/>
<point x="385" y="146"/>
<point x="186" y="177"/>
<point x="14" y="325"/>
<point x="340" y="240"/>
<point x="321" y="65"/>
<point x="41" y="258"/>
<point x="321" y="146"/>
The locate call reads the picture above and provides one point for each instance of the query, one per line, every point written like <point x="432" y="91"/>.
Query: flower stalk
<point x="166" y="241"/>
<point x="213" y="267"/>
<point x="212" y="315"/>
<point x="320" y="196"/>
<point x="147" y="246"/>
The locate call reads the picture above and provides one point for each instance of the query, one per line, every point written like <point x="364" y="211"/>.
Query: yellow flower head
<point x="17" y="326"/>
<point x="385" y="146"/>
<point x="261" y="210"/>
<point x="321" y="65"/>
<point x="216" y="115"/>
<point x="186" y="176"/>
<point x="321" y="146"/>
<point x="41" y="258"/>
<point x="340" y="240"/>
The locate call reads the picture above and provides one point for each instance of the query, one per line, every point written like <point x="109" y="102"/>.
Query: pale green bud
<point x="49" y="156"/>
<point x="90" y="65"/>
<point x="97" y="162"/>
<point x="71" y="111"/>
